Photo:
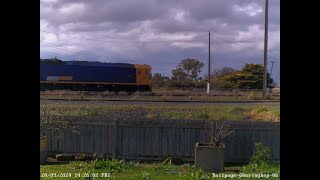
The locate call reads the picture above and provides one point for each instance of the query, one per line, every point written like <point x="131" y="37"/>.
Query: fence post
<point x="115" y="134"/>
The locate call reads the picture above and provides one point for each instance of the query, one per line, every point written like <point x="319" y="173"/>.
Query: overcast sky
<point x="160" y="32"/>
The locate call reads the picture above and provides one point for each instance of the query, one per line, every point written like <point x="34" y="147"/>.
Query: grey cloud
<point x="123" y="11"/>
<point x="158" y="20"/>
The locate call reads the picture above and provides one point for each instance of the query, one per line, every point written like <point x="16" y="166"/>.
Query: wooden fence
<point x="159" y="139"/>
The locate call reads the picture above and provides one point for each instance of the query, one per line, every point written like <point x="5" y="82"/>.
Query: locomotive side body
<point x="94" y="76"/>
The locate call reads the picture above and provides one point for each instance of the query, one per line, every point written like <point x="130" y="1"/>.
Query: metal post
<point x="209" y="64"/>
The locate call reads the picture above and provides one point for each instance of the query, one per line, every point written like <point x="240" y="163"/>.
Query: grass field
<point x="115" y="169"/>
<point x="269" y="112"/>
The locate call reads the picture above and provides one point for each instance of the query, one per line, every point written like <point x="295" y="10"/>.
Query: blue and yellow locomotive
<point x="94" y="76"/>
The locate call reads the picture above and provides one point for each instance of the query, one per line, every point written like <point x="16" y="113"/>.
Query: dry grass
<point x="263" y="114"/>
<point x="210" y="112"/>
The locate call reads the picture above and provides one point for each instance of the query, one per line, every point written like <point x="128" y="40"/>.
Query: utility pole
<point x="209" y="64"/>
<point x="265" y="49"/>
<point x="271" y="68"/>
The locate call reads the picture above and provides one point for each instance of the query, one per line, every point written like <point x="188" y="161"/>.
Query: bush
<point x="204" y="114"/>
<point x="261" y="155"/>
<point x="222" y="84"/>
<point x="186" y="83"/>
<point x="260" y="161"/>
<point x="201" y="84"/>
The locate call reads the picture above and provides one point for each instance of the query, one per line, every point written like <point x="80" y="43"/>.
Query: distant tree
<point x="179" y="74"/>
<point x="218" y="83"/>
<point x="157" y="80"/>
<point x="223" y="71"/>
<point x="186" y="74"/>
<point x="249" y="77"/>
<point x="187" y="69"/>
<point x="157" y="76"/>
<point x="54" y="60"/>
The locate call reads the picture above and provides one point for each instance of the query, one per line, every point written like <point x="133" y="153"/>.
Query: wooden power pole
<point x="265" y="49"/>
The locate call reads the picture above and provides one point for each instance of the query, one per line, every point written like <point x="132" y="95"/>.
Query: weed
<point x="261" y="109"/>
<point x="268" y="97"/>
<point x="145" y="176"/>
<point x="236" y="110"/>
<point x="261" y="155"/>
<point x="166" y="168"/>
<point x="260" y="161"/>
<point x="199" y="174"/>
<point x="204" y="114"/>
<point x="113" y="165"/>
<point x="262" y="113"/>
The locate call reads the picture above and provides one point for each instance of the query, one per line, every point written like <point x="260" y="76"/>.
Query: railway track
<point x="159" y="101"/>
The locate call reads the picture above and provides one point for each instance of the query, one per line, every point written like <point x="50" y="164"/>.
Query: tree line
<point x="186" y="75"/>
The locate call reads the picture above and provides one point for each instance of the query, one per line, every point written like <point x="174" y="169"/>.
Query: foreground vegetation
<point x="259" y="166"/>
<point x="115" y="169"/>
<point x="270" y="112"/>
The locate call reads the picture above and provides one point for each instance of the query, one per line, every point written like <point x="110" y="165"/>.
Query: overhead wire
<point x="117" y="58"/>
<point x="171" y="41"/>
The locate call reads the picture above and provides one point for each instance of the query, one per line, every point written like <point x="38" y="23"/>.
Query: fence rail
<point x="148" y="139"/>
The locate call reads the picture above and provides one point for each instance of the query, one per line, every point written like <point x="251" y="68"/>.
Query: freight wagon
<point x="94" y="76"/>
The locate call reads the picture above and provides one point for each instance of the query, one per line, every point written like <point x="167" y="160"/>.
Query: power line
<point x="233" y="42"/>
<point x="86" y="53"/>
<point x="171" y="41"/>
<point x="58" y="47"/>
<point x="73" y="58"/>
<point x="70" y="57"/>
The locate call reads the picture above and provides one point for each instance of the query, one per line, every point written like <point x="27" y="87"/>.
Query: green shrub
<point x="204" y="114"/>
<point x="261" y="155"/>
<point x="260" y="160"/>
<point x="199" y="174"/>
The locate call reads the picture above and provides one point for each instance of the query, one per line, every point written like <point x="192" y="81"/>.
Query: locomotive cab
<point x="144" y="77"/>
